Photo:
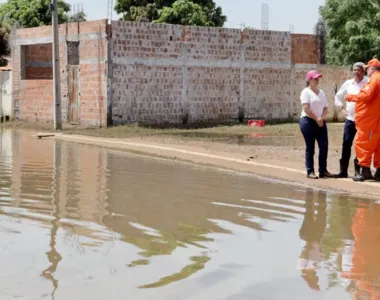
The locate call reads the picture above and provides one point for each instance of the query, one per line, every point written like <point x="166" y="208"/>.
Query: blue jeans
<point x="311" y="133"/>
<point x="348" y="138"/>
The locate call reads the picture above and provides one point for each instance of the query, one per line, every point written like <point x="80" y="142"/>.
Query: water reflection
<point x="311" y="232"/>
<point x="365" y="270"/>
<point x="79" y="220"/>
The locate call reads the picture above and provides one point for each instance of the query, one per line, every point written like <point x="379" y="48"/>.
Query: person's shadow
<point x="311" y="232"/>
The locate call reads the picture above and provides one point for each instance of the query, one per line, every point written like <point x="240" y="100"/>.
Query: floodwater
<point x="81" y="222"/>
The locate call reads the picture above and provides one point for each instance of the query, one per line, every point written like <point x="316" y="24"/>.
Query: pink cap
<point x="312" y="75"/>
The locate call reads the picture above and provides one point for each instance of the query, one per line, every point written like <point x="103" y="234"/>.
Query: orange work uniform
<point x="367" y="119"/>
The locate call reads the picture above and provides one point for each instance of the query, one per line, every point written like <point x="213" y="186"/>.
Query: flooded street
<point x="81" y="222"/>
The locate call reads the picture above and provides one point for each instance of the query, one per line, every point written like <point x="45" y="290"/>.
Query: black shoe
<point x="356" y="166"/>
<point x="343" y="169"/>
<point x="364" y="174"/>
<point x="327" y="174"/>
<point x="312" y="176"/>
<point x="377" y="175"/>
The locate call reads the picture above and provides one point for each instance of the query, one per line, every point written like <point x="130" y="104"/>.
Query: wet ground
<point x="81" y="222"/>
<point x="291" y="136"/>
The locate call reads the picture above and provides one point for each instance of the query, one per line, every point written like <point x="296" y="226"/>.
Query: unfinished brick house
<point x="130" y="72"/>
<point x="83" y="63"/>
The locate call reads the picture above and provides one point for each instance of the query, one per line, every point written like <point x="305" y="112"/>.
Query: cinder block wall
<point x="304" y="49"/>
<point x="177" y="74"/>
<point x="181" y="74"/>
<point x="32" y="72"/>
<point x="160" y="73"/>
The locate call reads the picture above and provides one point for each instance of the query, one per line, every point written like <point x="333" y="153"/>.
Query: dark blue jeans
<point x="348" y="138"/>
<point x="311" y="133"/>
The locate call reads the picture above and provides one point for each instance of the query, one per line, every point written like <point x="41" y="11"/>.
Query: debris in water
<point x="42" y="135"/>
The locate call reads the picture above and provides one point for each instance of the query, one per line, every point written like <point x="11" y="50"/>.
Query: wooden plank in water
<point x="43" y="135"/>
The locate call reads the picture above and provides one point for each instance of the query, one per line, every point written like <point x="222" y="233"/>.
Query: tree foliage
<point x="320" y="31"/>
<point x="353" y="30"/>
<point x="4" y="48"/>
<point x="32" y="13"/>
<point x="78" y="17"/>
<point x="184" y="12"/>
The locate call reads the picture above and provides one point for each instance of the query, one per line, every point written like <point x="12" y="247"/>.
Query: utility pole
<point x="56" y="69"/>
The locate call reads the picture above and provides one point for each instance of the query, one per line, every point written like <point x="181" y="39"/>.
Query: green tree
<point x="32" y="13"/>
<point x="4" y="49"/>
<point x="321" y="33"/>
<point x="184" y="12"/>
<point x="353" y="30"/>
<point x="78" y="17"/>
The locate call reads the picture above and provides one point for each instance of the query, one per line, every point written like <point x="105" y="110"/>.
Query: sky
<point x="303" y="15"/>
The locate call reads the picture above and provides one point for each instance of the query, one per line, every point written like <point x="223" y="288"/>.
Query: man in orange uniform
<point x="367" y="117"/>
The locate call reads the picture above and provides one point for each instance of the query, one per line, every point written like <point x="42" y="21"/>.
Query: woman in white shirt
<point x="313" y="125"/>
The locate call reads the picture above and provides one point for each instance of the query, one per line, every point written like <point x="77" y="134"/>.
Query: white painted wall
<point x="6" y="95"/>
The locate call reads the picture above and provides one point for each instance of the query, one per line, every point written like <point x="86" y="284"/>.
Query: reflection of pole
<point x="53" y="255"/>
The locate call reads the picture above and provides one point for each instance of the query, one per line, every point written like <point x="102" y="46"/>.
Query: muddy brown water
<point x="81" y="222"/>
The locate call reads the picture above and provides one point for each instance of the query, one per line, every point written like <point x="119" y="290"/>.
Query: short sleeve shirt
<point x="317" y="102"/>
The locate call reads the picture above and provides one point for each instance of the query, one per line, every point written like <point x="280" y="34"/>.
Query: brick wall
<point x="38" y="62"/>
<point x="304" y="49"/>
<point x="32" y="56"/>
<point x="37" y="98"/>
<point x="209" y="96"/>
<point x="267" y="74"/>
<point x="178" y="74"/>
<point x="170" y="73"/>
<point x="161" y="73"/>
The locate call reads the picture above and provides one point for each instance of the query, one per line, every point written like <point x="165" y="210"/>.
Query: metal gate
<point x="74" y="94"/>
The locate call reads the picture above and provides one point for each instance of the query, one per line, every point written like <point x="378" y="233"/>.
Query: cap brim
<point x="317" y="76"/>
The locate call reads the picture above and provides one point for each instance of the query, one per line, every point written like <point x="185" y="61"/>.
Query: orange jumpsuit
<point x="367" y="119"/>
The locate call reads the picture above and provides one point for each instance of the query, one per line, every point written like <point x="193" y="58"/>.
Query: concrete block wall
<point x="211" y="74"/>
<point x="37" y="98"/>
<point x="304" y="49"/>
<point x="145" y="85"/>
<point x="161" y="73"/>
<point x="93" y="57"/>
<point x="183" y="74"/>
<point x="31" y="51"/>
<point x="267" y="74"/>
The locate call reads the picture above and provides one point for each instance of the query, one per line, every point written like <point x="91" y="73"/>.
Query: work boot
<point x="356" y="166"/>
<point x="377" y="175"/>
<point x="327" y="174"/>
<point x="364" y="174"/>
<point x="343" y="169"/>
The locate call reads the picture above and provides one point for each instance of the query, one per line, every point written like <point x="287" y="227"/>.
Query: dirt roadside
<point x="235" y="158"/>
